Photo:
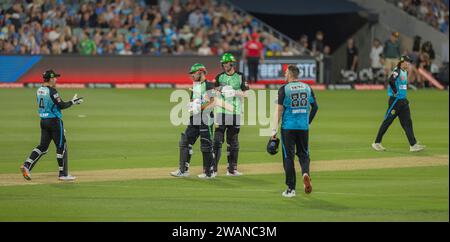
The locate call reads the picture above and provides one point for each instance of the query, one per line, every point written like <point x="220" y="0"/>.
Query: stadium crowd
<point x="434" y="12"/>
<point x="126" y="27"/>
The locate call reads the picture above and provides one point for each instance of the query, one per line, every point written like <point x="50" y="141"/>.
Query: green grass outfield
<point x="118" y="129"/>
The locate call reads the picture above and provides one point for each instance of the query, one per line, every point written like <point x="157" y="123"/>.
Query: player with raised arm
<point x="50" y="105"/>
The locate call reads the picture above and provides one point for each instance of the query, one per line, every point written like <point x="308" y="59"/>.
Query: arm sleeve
<point x="244" y="83"/>
<point x="209" y="85"/>
<point x="312" y="114"/>
<point x="54" y="95"/>
<point x="281" y="95"/>
<point x="392" y="79"/>
<point x="314" y="106"/>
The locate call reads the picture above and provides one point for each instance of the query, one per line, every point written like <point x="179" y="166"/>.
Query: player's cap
<point x="197" y="67"/>
<point x="272" y="146"/>
<point x="50" y="74"/>
<point x="405" y="58"/>
<point x="227" y="57"/>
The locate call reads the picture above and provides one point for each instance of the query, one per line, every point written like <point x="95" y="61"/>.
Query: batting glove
<point x="274" y="133"/>
<point x="228" y="92"/>
<point x="195" y="107"/>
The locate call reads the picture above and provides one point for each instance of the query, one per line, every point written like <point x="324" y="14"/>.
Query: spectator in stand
<point x="376" y="56"/>
<point x="443" y="26"/>
<point x="196" y="19"/>
<point x="87" y="46"/>
<point x="253" y="55"/>
<point x="425" y="64"/>
<point x="317" y="44"/>
<point x="204" y="49"/>
<point x="327" y="62"/>
<point x="287" y="51"/>
<point x="274" y="48"/>
<point x="391" y="52"/>
<point x="352" y="55"/>
<point x="427" y="47"/>
<point x="304" y="45"/>
<point x="432" y="12"/>
<point x="56" y="26"/>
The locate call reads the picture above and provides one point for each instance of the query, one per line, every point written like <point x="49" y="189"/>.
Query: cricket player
<point x="231" y="86"/>
<point x="296" y="108"/>
<point x="50" y="105"/>
<point x="200" y="124"/>
<point x="398" y="106"/>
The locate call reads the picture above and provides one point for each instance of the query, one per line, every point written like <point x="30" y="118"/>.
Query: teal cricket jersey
<point x="296" y="98"/>
<point x="50" y="103"/>
<point x="398" y="83"/>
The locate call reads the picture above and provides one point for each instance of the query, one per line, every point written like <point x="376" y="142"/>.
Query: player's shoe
<point x="234" y="173"/>
<point x="178" y="173"/>
<point x="378" y="147"/>
<point x="67" y="178"/>
<point x="214" y="174"/>
<point x="307" y="183"/>
<point x="416" y="148"/>
<point x="204" y="176"/>
<point x="25" y="172"/>
<point x="288" y="193"/>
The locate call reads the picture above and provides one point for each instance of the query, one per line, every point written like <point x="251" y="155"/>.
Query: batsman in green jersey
<point x="231" y="87"/>
<point x="200" y="125"/>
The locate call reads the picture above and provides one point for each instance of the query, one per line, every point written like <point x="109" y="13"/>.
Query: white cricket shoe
<point x="416" y="148"/>
<point x="234" y="173"/>
<point x="67" y="178"/>
<point x="25" y="172"/>
<point x="178" y="173"/>
<point x="288" y="193"/>
<point x="378" y="147"/>
<point x="204" y="176"/>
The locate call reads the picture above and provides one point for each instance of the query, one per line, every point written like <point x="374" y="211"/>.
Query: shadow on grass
<point x="232" y="182"/>
<point x="313" y="203"/>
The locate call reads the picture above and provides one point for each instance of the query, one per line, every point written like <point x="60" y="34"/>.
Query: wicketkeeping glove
<point x="76" y="99"/>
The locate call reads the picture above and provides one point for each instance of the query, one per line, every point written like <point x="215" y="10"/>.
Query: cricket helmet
<point x="227" y="57"/>
<point x="49" y="74"/>
<point x="197" y="67"/>
<point x="405" y="58"/>
<point x="272" y="146"/>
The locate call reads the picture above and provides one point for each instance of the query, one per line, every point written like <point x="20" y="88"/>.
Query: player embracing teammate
<point x="200" y="125"/>
<point x="226" y="96"/>
<point x="231" y="87"/>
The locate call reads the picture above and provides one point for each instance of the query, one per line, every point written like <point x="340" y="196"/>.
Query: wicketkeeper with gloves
<point x="231" y="86"/>
<point x="200" y="124"/>
<point x="50" y="105"/>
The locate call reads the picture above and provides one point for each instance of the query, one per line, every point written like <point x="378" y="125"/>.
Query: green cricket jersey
<point x="237" y="82"/>
<point x="201" y="91"/>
